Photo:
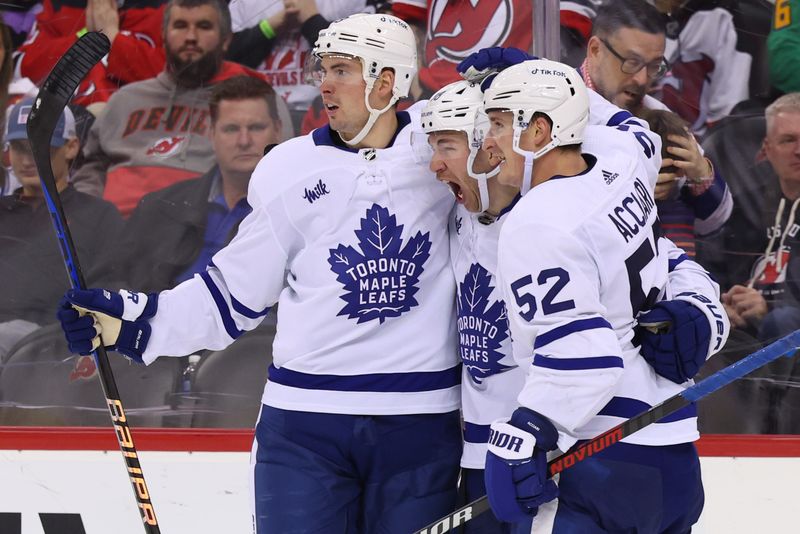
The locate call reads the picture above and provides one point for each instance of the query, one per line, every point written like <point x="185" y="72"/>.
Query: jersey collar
<point x="590" y="163"/>
<point x="325" y="136"/>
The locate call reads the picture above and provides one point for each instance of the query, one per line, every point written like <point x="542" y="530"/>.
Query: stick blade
<point x="63" y="80"/>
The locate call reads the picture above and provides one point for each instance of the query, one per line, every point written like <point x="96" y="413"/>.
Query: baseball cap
<point x="18" y="117"/>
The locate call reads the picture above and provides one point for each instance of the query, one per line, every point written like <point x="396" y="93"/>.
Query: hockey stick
<point x="53" y="97"/>
<point x="786" y="346"/>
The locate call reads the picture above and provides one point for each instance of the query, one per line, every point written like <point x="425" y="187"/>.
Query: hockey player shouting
<point x="359" y="430"/>
<point x="579" y="257"/>
<point x="455" y="124"/>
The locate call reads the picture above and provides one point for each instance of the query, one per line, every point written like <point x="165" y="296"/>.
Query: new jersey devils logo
<point x="459" y="27"/>
<point x="84" y="369"/>
<point x="166" y="146"/>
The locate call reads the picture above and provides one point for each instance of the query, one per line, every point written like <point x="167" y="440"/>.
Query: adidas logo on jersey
<point x="609" y="177"/>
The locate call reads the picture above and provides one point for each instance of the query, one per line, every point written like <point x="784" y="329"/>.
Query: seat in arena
<point x="41" y="383"/>
<point x="229" y="383"/>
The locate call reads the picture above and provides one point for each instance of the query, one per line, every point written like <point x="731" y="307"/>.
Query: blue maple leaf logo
<point x="381" y="280"/>
<point x="481" y="328"/>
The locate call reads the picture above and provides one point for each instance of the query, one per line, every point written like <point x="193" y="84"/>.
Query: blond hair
<point x="788" y="103"/>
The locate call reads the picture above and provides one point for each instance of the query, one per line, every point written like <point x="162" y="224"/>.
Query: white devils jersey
<point x="708" y="75"/>
<point x="579" y="257"/>
<point x="490" y="378"/>
<point x="353" y="245"/>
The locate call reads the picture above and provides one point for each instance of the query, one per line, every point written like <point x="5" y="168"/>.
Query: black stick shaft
<point x="48" y="107"/>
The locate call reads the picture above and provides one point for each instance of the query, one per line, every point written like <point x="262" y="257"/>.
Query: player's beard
<point x="191" y="74"/>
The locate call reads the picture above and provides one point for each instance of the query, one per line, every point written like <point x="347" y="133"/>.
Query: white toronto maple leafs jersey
<point x="353" y="246"/>
<point x="490" y="378"/>
<point x="579" y="257"/>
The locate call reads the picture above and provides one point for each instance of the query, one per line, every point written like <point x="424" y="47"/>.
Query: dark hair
<point x="633" y="14"/>
<point x="664" y="123"/>
<point x="221" y="7"/>
<point x="242" y="88"/>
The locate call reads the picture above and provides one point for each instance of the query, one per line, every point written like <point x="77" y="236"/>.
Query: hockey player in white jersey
<point x="359" y="430"/>
<point x="455" y="125"/>
<point x="579" y="262"/>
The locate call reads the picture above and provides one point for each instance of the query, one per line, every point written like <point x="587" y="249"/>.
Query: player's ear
<point x="383" y="86"/>
<point x="537" y="134"/>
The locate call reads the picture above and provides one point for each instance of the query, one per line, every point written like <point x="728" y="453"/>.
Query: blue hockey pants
<point x="344" y="474"/>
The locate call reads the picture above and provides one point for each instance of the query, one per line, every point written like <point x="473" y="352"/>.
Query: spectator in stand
<point x="763" y="294"/>
<point x="136" y="30"/>
<point x="154" y="133"/>
<point x="136" y="43"/>
<point x="173" y="233"/>
<point x="32" y="269"/>
<point x="783" y="46"/>
<point x="624" y="59"/>
<point x="289" y="28"/>
<point x="456" y="28"/>
<point x="708" y="75"/>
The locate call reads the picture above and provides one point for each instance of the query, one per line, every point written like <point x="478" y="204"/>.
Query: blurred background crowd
<point x="154" y="154"/>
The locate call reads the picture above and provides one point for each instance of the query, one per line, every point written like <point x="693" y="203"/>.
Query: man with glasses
<point x="624" y="60"/>
<point x="625" y="55"/>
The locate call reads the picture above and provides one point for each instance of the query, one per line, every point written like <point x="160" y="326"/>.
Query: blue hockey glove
<point x="486" y="61"/>
<point x="675" y="337"/>
<point x="516" y="465"/>
<point x="121" y="318"/>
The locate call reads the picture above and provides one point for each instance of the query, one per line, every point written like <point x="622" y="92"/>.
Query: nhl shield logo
<point x="380" y="280"/>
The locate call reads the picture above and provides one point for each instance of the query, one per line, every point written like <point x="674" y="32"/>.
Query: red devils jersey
<point x="136" y="53"/>
<point x="456" y="28"/>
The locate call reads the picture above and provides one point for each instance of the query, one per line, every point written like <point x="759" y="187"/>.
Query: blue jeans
<point x="347" y="474"/>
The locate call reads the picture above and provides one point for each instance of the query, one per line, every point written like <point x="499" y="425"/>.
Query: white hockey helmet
<point x="541" y="86"/>
<point x="381" y="42"/>
<point x="459" y="107"/>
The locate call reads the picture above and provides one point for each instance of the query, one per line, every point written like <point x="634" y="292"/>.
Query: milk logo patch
<point x="380" y="280"/>
<point x="481" y="327"/>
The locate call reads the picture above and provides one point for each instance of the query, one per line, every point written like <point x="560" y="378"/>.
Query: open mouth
<point x="496" y="159"/>
<point x="632" y="95"/>
<point x="331" y="108"/>
<point x="456" y="190"/>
